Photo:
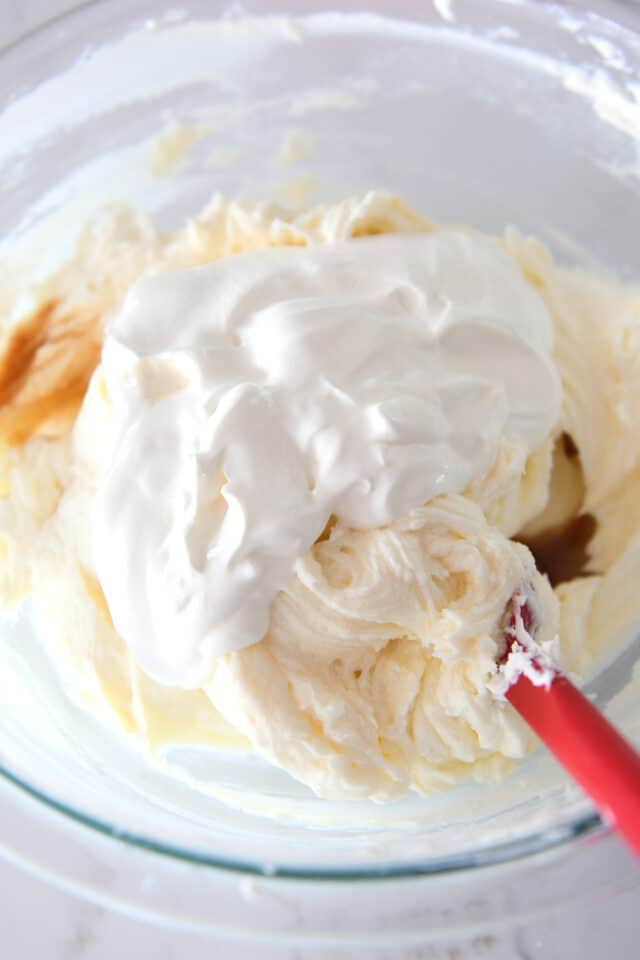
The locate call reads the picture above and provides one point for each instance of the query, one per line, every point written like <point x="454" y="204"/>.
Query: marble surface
<point x="39" y="921"/>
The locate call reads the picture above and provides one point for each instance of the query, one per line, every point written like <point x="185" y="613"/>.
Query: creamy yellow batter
<point x="377" y="672"/>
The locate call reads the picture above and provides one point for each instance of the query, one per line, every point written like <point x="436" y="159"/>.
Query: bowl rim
<point x="589" y="825"/>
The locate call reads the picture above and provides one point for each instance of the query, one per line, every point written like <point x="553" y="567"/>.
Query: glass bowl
<point x="488" y="114"/>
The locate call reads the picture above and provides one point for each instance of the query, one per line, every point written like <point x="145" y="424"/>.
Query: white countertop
<point x="40" y="921"/>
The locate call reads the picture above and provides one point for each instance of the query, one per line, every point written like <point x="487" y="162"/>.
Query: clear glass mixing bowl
<point x="489" y="114"/>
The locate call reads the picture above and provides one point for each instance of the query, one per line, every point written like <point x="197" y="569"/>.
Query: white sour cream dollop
<point x="261" y="394"/>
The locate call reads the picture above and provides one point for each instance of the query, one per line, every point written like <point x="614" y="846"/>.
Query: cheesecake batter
<point x="277" y="494"/>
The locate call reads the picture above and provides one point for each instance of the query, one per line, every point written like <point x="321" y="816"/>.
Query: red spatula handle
<point x="604" y="764"/>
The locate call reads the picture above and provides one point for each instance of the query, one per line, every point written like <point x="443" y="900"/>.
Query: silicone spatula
<point x="596" y="755"/>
